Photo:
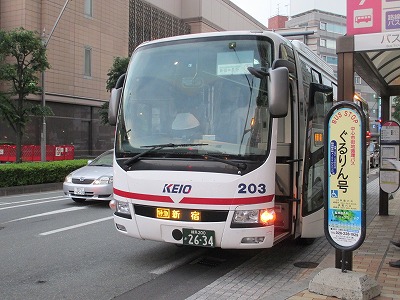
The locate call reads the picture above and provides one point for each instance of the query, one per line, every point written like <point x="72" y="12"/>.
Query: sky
<point x="262" y="10"/>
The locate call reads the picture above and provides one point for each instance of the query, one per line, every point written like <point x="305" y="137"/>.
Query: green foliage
<point x="37" y="172"/>
<point x="22" y="58"/>
<point x="103" y="112"/>
<point x="119" y="67"/>
<point x="396" y="106"/>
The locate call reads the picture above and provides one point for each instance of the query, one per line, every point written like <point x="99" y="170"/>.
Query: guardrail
<point x="8" y="153"/>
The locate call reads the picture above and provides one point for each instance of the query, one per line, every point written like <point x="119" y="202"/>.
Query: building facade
<point x="89" y="35"/>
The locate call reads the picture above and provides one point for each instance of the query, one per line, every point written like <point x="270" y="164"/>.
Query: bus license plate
<point x="198" y="237"/>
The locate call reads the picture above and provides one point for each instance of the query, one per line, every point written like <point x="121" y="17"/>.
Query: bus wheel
<point x="305" y="241"/>
<point x="78" y="200"/>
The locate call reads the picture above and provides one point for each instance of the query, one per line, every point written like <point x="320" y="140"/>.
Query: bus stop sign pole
<point x="345" y="187"/>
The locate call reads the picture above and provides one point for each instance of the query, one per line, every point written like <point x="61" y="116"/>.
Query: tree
<point x="119" y="67"/>
<point x="22" y="58"/>
<point x="396" y="106"/>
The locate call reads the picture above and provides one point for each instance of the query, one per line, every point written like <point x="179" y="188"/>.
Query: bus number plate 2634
<point x="198" y="237"/>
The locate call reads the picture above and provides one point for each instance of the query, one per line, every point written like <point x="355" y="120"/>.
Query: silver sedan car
<point x="94" y="181"/>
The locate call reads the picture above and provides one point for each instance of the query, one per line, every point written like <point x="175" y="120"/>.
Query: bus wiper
<point x="155" y="148"/>
<point x="240" y="166"/>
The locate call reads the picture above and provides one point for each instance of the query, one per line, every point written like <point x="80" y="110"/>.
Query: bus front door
<point x="312" y="201"/>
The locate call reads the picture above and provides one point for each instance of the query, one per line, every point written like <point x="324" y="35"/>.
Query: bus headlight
<point x="245" y="216"/>
<point x="120" y="207"/>
<point x="258" y="216"/>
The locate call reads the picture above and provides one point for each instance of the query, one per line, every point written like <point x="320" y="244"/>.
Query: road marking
<point x="39" y="199"/>
<point x="75" y="226"/>
<point x="60" y="211"/>
<point x="29" y="204"/>
<point x="180" y="262"/>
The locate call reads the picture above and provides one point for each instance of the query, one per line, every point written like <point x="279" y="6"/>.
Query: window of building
<point x="332" y="60"/>
<point x="330" y="44"/>
<point x="89" y="8"/>
<point x="335" y="28"/>
<point x="322" y="25"/>
<point x="88" y="61"/>
<point x="357" y="80"/>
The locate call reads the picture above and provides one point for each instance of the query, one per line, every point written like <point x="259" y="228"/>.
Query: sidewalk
<point x="374" y="255"/>
<point x="258" y="279"/>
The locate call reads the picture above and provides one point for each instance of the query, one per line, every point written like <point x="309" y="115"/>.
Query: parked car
<point x="374" y="155"/>
<point x="93" y="181"/>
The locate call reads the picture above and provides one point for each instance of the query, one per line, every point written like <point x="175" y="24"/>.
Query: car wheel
<point x="78" y="200"/>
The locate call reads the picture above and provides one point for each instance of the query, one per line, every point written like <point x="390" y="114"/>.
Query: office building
<point x="89" y="35"/>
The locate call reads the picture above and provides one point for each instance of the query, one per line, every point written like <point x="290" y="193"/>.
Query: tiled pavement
<point x="260" y="278"/>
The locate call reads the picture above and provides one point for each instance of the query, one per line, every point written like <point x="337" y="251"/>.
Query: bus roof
<point x="274" y="36"/>
<point x="311" y="56"/>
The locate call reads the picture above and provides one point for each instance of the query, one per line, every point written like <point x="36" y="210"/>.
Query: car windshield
<point x="197" y="91"/>
<point x="104" y="160"/>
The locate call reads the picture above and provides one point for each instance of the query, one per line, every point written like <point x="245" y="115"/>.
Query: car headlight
<point x="103" y="180"/>
<point x="68" y="178"/>
<point x="256" y="216"/>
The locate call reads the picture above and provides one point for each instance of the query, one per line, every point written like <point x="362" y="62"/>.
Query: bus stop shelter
<point x="371" y="48"/>
<point x="376" y="59"/>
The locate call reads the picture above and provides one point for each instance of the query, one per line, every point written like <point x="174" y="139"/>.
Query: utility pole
<point x="45" y="42"/>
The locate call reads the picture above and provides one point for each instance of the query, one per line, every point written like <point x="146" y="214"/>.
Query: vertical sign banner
<point x="390" y="15"/>
<point x="345" y="171"/>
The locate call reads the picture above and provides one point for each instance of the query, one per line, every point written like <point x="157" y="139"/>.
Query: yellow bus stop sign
<point x="345" y="149"/>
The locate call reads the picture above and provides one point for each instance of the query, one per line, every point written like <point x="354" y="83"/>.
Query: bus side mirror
<point x="115" y="99"/>
<point x="278" y="92"/>
<point x="113" y="105"/>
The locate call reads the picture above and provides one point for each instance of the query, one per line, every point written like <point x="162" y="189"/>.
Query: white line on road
<point x="75" y="226"/>
<point x="28" y="204"/>
<point x="180" y="262"/>
<point x="48" y="213"/>
<point x="39" y="199"/>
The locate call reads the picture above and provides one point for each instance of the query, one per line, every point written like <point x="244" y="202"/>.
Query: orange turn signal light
<point x="267" y="217"/>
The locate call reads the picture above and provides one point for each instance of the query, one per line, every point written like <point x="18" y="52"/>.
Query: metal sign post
<point x="345" y="170"/>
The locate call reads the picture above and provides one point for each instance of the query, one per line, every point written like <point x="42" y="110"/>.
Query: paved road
<point x="53" y="248"/>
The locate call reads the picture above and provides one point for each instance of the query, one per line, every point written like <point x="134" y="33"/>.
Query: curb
<point x="34" y="188"/>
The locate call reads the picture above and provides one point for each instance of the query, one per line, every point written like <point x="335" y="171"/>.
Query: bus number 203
<point x="252" y="188"/>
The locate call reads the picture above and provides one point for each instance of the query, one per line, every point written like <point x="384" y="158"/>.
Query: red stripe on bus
<point x="228" y="201"/>
<point x="143" y="196"/>
<point x="190" y="200"/>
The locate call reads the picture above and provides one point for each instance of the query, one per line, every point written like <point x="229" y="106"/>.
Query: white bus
<point x="219" y="140"/>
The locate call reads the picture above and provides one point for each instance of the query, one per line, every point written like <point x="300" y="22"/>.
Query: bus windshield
<point x="199" y="93"/>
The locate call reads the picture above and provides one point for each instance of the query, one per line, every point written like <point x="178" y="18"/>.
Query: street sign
<point x="345" y="171"/>
<point x="372" y="16"/>
<point x="389" y="179"/>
